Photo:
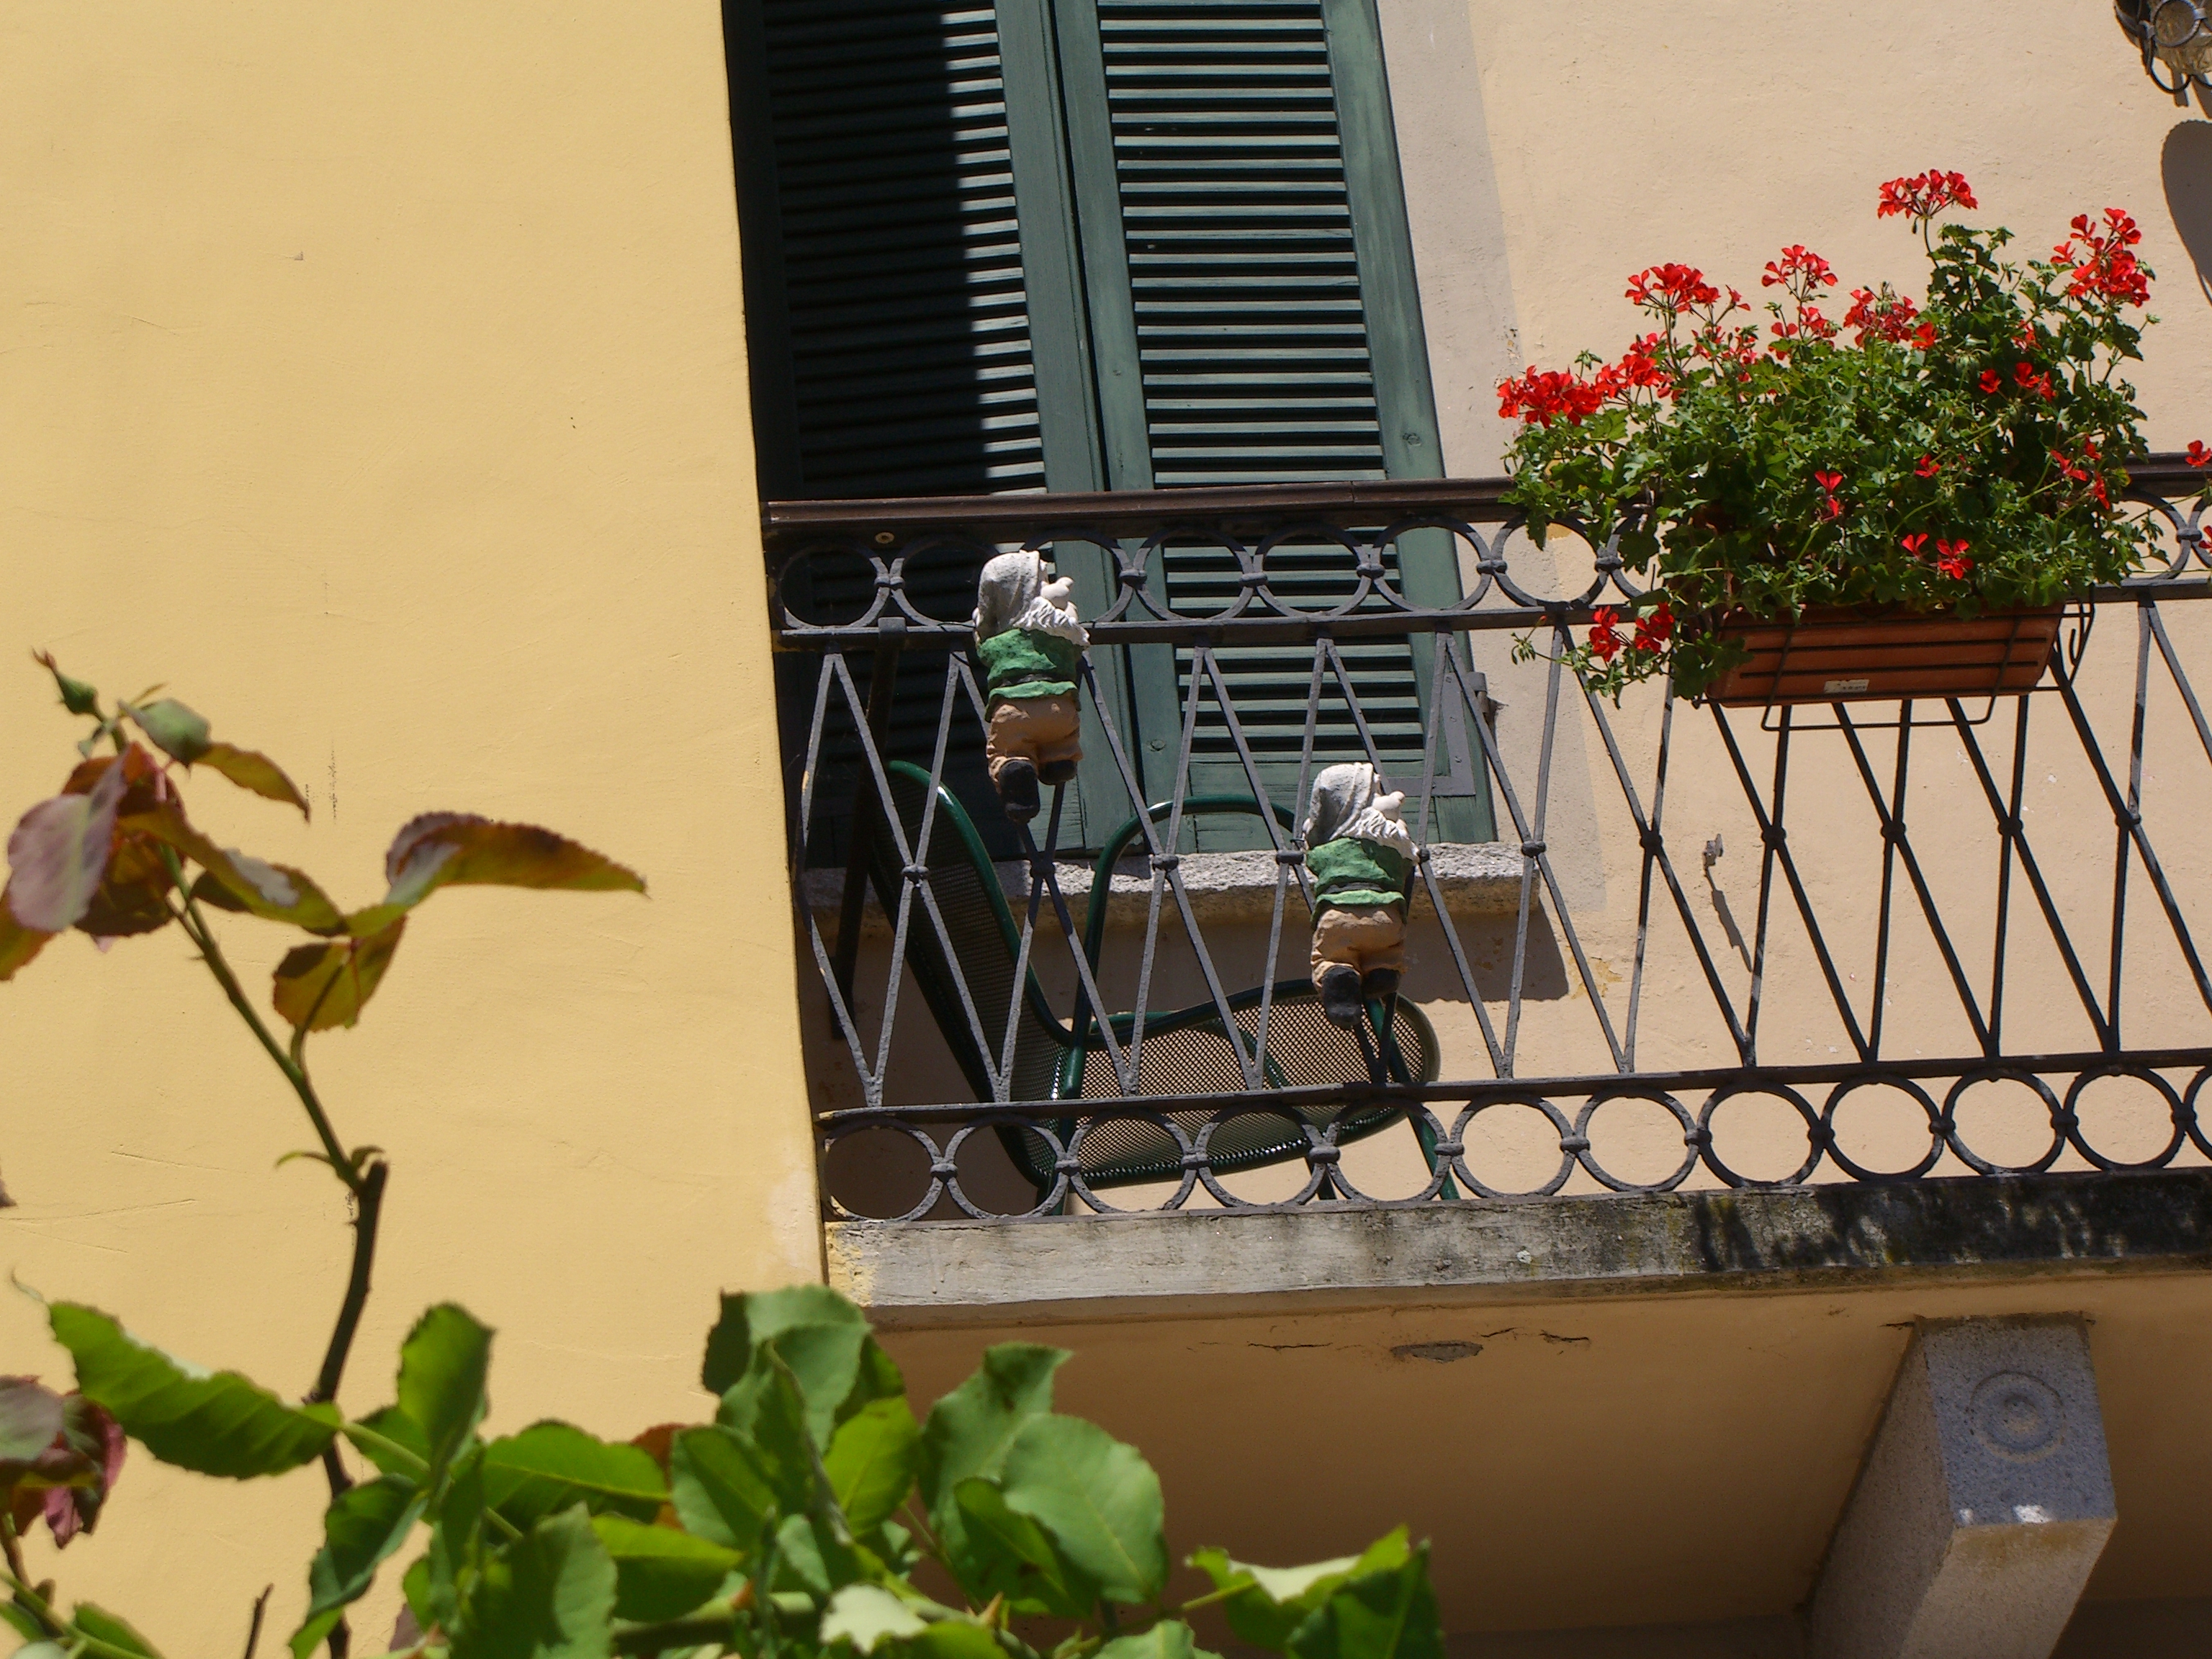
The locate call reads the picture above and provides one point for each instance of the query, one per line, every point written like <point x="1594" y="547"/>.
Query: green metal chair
<point x="1186" y="1051"/>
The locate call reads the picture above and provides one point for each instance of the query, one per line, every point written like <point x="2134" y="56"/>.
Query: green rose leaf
<point x="1275" y="1601"/>
<point x="661" y="1572"/>
<point x="1379" y="1612"/>
<point x="322" y="986"/>
<point x="362" y="1526"/>
<point x="313" y="1634"/>
<point x="59" y="854"/>
<point x="276" y="893"/>
<point x="171" y="727"/>
<point x="864" y="1616"/>
<point x="872" y="1460"/>
<point x="720" y="1488"/>
<point x="442" y="1367"/>
<point x="250" y="770"/>
<point x="968" y="1431"/>
<point x="392" y="1424"/>
<point x="550" y="1465"/>
<point x="1097" y="1498"/>
<point x="1170" y="1638"/>
<point x="820" y="1335"/>
<point x="103" y="1626"/>
<point x="1003" y="1553"/>
<point x="219" y="1424"/>
<point x="551" y="1595"/>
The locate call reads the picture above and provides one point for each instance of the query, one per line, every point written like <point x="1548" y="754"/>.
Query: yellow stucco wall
<point x="376" y="379"/>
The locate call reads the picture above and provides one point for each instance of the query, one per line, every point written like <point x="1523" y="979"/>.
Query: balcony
<point x="1695" y="995"/>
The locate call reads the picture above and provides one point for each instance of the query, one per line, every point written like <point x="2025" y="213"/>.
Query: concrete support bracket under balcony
<point x="1981" y="1508"/>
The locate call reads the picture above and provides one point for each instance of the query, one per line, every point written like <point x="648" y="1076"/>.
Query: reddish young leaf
<point x="133" y="896"/>
<point x="99" y="1440"/>
<point x="58" y="853"/>
<point x="321" y="985"/>
<point x="18" y="944"/>
<point x="455" y="850"/>
<point x="251" y="769"/>
<point x="276" y="891"/>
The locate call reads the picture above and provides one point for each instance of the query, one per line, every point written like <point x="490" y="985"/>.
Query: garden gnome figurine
<point x="1031" y="641"/>
<point x="1360" y="853"/>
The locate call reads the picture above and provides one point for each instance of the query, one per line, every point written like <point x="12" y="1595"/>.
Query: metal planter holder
<point x="2172" y="33"/>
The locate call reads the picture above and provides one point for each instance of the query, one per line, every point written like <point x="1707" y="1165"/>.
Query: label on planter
<point x="1833" y="687"/>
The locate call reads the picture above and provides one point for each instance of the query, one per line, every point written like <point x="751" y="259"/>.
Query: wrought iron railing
<point x="1945" y="967"/>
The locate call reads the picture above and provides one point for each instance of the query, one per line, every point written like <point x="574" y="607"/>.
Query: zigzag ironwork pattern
<point x="2094" y="1013"/>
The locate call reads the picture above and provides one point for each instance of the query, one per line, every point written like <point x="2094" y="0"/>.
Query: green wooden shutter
<point x="1254" y="319"/>
<point x="887" y="309"/>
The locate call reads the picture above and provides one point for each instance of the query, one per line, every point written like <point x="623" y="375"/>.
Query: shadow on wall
<point x="2187" y="165"/>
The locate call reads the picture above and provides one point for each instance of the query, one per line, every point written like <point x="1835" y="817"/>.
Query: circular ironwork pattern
<point x="1711" y="1158"/>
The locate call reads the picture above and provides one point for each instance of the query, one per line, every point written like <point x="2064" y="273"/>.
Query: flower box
<point x="1831" y="654"/>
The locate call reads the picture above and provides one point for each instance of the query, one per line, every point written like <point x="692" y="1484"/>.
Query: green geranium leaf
<point x="171" y="727"/>
<point x="1097" y="1498"/>
<point x="219" y="1424"/>
<point x="362" y="1526"/>
<point x="864" y="1615"/>
<point x="661" y="1572"/>
<point x="549" y="1465"/>
<point x="872" y="1460"/>
<point x="551" y="1595"/>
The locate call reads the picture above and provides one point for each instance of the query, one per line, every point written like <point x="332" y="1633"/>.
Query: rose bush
<point x="1960" y="452"/>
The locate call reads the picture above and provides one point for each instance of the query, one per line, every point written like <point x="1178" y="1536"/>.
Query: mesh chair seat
<point x="1187" y="1051"/>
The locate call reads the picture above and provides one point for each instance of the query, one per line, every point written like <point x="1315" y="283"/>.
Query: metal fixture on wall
<point x="2175" y="33"/>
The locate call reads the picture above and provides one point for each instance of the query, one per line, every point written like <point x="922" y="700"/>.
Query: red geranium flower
<point x="1653" y="628"/>
<point x="1672" y="287"/>
<point x="1604" y="632"/>
<point x="1991" y="382"/>
<point x="1925" y="195"/>
<point x="1929" y="466"/>
<point x="1953" y="563"/>
<point x="1912" y="544"/>
<point x="2198" y="455"/>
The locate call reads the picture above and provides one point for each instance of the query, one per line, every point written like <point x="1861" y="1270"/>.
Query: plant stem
<point x="369" y="1210"/>
<point x="253" y="1631"/>
<point x="79" y="1642"/>
<point x="196" y="929"/>
<point x="16" y="1571"/>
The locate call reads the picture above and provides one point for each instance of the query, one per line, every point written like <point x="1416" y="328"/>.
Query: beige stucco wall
<point x="377" y="380"/>
<point x="1548" y="152"/>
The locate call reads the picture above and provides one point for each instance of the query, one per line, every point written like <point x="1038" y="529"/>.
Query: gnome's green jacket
<point x="1029" y="647"/>
<point x="1356" y="855"/>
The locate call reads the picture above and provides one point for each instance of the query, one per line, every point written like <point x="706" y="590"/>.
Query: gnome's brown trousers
<point x="1361" y="937"/>
<point x="1040" y="730"/>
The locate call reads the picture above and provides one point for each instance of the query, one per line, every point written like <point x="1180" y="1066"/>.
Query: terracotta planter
<point x="1832" y="655"/>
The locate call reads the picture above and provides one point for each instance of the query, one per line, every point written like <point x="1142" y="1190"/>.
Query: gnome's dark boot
<point x="1059" y="771"/>
<point x="1018" y="789"/>
<point x="1339" y="995"/>
<point x="1380" y="984"/>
